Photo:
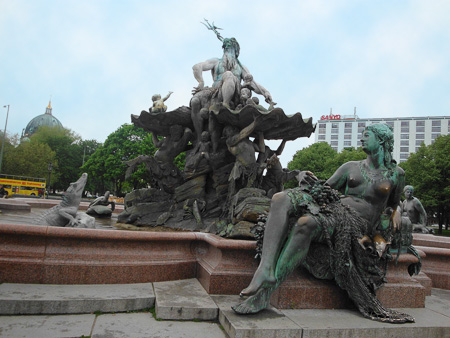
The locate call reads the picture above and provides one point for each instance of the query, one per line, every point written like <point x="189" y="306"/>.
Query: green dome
<point x="46" y="119"/>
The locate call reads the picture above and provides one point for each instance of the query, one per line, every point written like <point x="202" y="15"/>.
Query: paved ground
<point x="179" y="300"/>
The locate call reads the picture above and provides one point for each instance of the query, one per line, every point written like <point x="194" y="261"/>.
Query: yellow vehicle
<point x="22" y="185"/>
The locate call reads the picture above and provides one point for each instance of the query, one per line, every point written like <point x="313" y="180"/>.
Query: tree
<point x="69" y="155"/>
<point x="313" y="158"/>
<point x="10" y="143"/>
<point x="427" y="171"/>
<point x="346" y="155"/>
<point x="108" y="163"/>
<point x="27" y="159"/>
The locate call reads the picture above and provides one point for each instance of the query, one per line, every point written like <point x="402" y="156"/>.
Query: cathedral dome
<point x="46" y="119"/>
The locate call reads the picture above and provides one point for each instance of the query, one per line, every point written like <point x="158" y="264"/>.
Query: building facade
<point x="409" y="132"/>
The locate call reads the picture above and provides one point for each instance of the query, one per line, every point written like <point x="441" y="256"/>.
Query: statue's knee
<point x="195" y="104"/>
<point x="305" y="226"/>
<point x="280" y="198"/>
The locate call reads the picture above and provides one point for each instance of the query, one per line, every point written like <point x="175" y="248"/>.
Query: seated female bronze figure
<point x="327" y="237"/>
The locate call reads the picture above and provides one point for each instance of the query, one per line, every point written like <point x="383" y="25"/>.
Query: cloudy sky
<point x="101" y="60"/>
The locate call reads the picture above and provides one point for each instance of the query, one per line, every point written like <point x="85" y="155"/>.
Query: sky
<point x="102" y="60"/>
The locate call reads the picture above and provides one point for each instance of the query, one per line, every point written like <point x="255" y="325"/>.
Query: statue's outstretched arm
<point x="199" y="68"/>
<point x="232" y="141"/>
<point x="281" y="148"/>
<point x="167" y="96"/>
<point x="256" y="87"/>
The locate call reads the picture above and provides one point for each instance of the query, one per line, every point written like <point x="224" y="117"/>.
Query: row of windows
<point x="403" y="142"/>
<point x="419" y="136"/>
<point x="404" y="125"/>
<point x="360" y="130"/>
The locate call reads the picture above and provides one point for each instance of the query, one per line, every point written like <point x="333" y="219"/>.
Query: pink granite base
<point x="302" y="291"/>
<point x="49" y="255"/>
<point x="437" y="263"/>
<point x="425" y="281"/>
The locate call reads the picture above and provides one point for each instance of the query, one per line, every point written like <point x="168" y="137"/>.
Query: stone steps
<point x="29" y="299"/>
<point x="186" y="300"/>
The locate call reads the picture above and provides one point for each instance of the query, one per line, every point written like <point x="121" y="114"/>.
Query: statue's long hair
<point x="385" y="134"/>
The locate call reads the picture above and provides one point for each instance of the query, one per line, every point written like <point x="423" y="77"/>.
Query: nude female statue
<point x="368" y="188"/>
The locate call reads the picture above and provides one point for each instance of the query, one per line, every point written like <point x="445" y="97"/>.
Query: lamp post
<point x="4" y="137"/>
<point x="50" y="168"/>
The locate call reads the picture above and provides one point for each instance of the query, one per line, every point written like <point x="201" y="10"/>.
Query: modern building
<point x="46" y="119"/>
<point x="409" y="132"/>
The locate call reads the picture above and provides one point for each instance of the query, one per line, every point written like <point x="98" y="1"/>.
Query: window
<point x="420" y="123"/>
<point x="347" y="143"/>
<point x="420" y="136"/>
<point x="436" y="129"/>
<point x="348" y="125"/>
<point x="401" y="161"/>
<point x="420" y="129"/>
<point x="358" y="144"/>
<point x="322" y="125"/>
<point x="334" y="148"/>
<point x="348" y="130"/>
<point x="436" y="123"/>
<point x="360" y="130"/>
<point x="417" y="149"/>
<point x="321" y="137"/>
<point x="347" y="137"/>
<point x="404" y="156"/>
<point x="334" y="143"/>
<point x="405" y="124"/>
<point x="435" y="136"/>
<point x="404" y="136"/>
<point x="404" y="149"/>
<point x="363" y="124"/>
<point x="334" y="130"/>
<point x="405" y="130"/>
<point x="404" y="143"/>
<point x="419" y="142"/>
<point x="334" y="137"/>
<point x="334" y="125"/>
<point x="322" y="131"/>
<point x="390" y="123"/>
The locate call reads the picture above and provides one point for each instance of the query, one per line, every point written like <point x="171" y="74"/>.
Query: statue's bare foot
<point x="262" y="278"/>
<point x="255" y="303"/>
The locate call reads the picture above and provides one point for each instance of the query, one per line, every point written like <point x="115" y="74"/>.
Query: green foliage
<point x="346" y="155"/>
<point x="427" y="171"/>
<point x="322" y="160"/>
<point x="107" y="165"/>
<point x="69" y="155"/>
<point x="313" y="158"/>
<point x="28" y="159"/>
<point x="8" y="159"/>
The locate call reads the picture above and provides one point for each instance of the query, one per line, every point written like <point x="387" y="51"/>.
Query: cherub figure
<point x="245" y="98"/>
<point x="158" y="103"/>
<point x="202" y="149"/>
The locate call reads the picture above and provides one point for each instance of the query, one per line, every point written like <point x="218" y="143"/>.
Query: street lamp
<point x="4" y="136"/>
<point x="50" y="168"/>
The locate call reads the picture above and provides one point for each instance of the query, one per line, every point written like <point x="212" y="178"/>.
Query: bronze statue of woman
<point x="333" y="230"/>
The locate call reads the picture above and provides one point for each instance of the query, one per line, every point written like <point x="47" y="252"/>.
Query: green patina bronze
<point x="346" y="239"/>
